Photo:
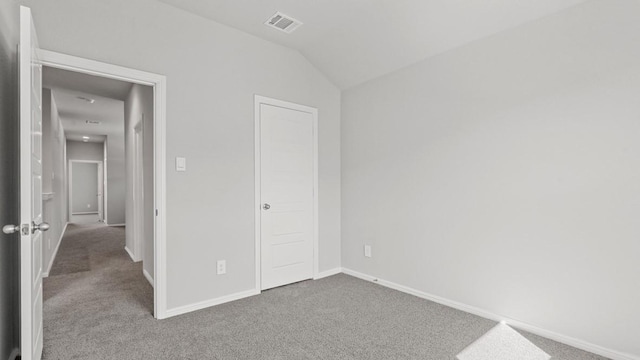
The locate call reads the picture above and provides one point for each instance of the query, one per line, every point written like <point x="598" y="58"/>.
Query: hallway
<point x="93" y="292"/>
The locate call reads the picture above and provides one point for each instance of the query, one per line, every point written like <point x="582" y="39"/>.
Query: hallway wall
<point x="116" y="180"/>
<point x="78" y="150"/>
<point x="54" y="178"/>
<point x="139" y="107"/>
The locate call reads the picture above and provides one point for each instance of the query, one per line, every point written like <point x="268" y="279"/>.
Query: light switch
<point x="181" y="164"/>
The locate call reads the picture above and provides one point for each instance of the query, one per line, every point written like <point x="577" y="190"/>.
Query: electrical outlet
<point x="222" y="267"/>
<point x="367" y="251"/>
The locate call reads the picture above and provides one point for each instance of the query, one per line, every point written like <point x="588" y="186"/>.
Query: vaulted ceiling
<point x="353" y="41"/>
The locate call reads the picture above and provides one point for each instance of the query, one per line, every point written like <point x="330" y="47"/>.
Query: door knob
<point x="10" y="229"/>
<point x="266" y="206"/>
<point x="42" y="227"/>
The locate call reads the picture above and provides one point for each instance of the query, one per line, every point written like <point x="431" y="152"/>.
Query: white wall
<point x="505" y="174"/>
<point x="213" y="72"/>
<point x="138" y="106"/>
<point x="148" y="174"/>
<point x="58" y="159"/>
<point x="116" y="181"/>
<point x="53" y="180"/>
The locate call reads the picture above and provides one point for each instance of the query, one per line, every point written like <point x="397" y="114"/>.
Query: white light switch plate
<point x="181" y="164"/>
<point x="367" y="250"/>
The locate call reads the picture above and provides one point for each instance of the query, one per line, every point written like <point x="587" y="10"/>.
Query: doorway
<point x="156" y="156"/>
<point x="86" y="182"/>
<point x="286" y="168"/>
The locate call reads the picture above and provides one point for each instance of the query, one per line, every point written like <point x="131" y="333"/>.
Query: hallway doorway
<point x="143" y="152"/>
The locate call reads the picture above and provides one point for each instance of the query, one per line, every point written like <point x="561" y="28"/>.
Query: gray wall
<point x="116" y="180"/>
<point x="148" y="148"/>
<point x="9" y="244"/>
<point x="79" y="150"/>
<point x="505" y="174"/>
<point x="213" y="72"/>
<point x="139" y="105"/>
<point x="54" y="177"/>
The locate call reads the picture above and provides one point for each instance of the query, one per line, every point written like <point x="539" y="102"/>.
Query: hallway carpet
<point x="98" y="305"/>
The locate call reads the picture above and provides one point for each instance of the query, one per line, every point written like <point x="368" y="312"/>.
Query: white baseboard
<point x="55" y="252"/>
<point x="224" y="299"/>
<point x="568" y="340"/>
<point x="147" y="276"/>
<point x="14" y="354"/>
<point x="327" y="273"/>
<point x="116" y="224"/>
<point x="133" y="258"/>
<point x="208" y="303"/>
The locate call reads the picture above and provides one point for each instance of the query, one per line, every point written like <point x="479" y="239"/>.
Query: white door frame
<point x="259" y="100"/>
<point x="100" y="183"/>
<point x="159" y="84"/>
<point x="105" y="194"/>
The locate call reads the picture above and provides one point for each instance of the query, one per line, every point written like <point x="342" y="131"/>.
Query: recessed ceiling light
<point x="89" y="100"/>
<point x="86" y="138"/>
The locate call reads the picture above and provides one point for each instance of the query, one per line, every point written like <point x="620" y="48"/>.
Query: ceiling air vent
<point x="283" y="22"/>
<point x="92" y="122"/>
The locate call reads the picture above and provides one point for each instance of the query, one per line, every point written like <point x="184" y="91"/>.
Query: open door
<point x="30" y="190"/>
<point x="31" y="224"/>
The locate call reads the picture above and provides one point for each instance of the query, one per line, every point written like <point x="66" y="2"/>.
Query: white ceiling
<point x="74" y="114"/>
<point x="108" y="107"/>
<point x="99" y="86"/>
<point x="353" y="41"/>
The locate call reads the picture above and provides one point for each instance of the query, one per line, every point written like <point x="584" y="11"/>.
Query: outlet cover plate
<point x="221" y="267"/>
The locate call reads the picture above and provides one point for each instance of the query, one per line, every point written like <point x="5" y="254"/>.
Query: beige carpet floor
<point x="98" y="305"/>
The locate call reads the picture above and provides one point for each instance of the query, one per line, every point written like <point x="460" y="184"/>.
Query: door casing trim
<point x="159" y="84"/>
